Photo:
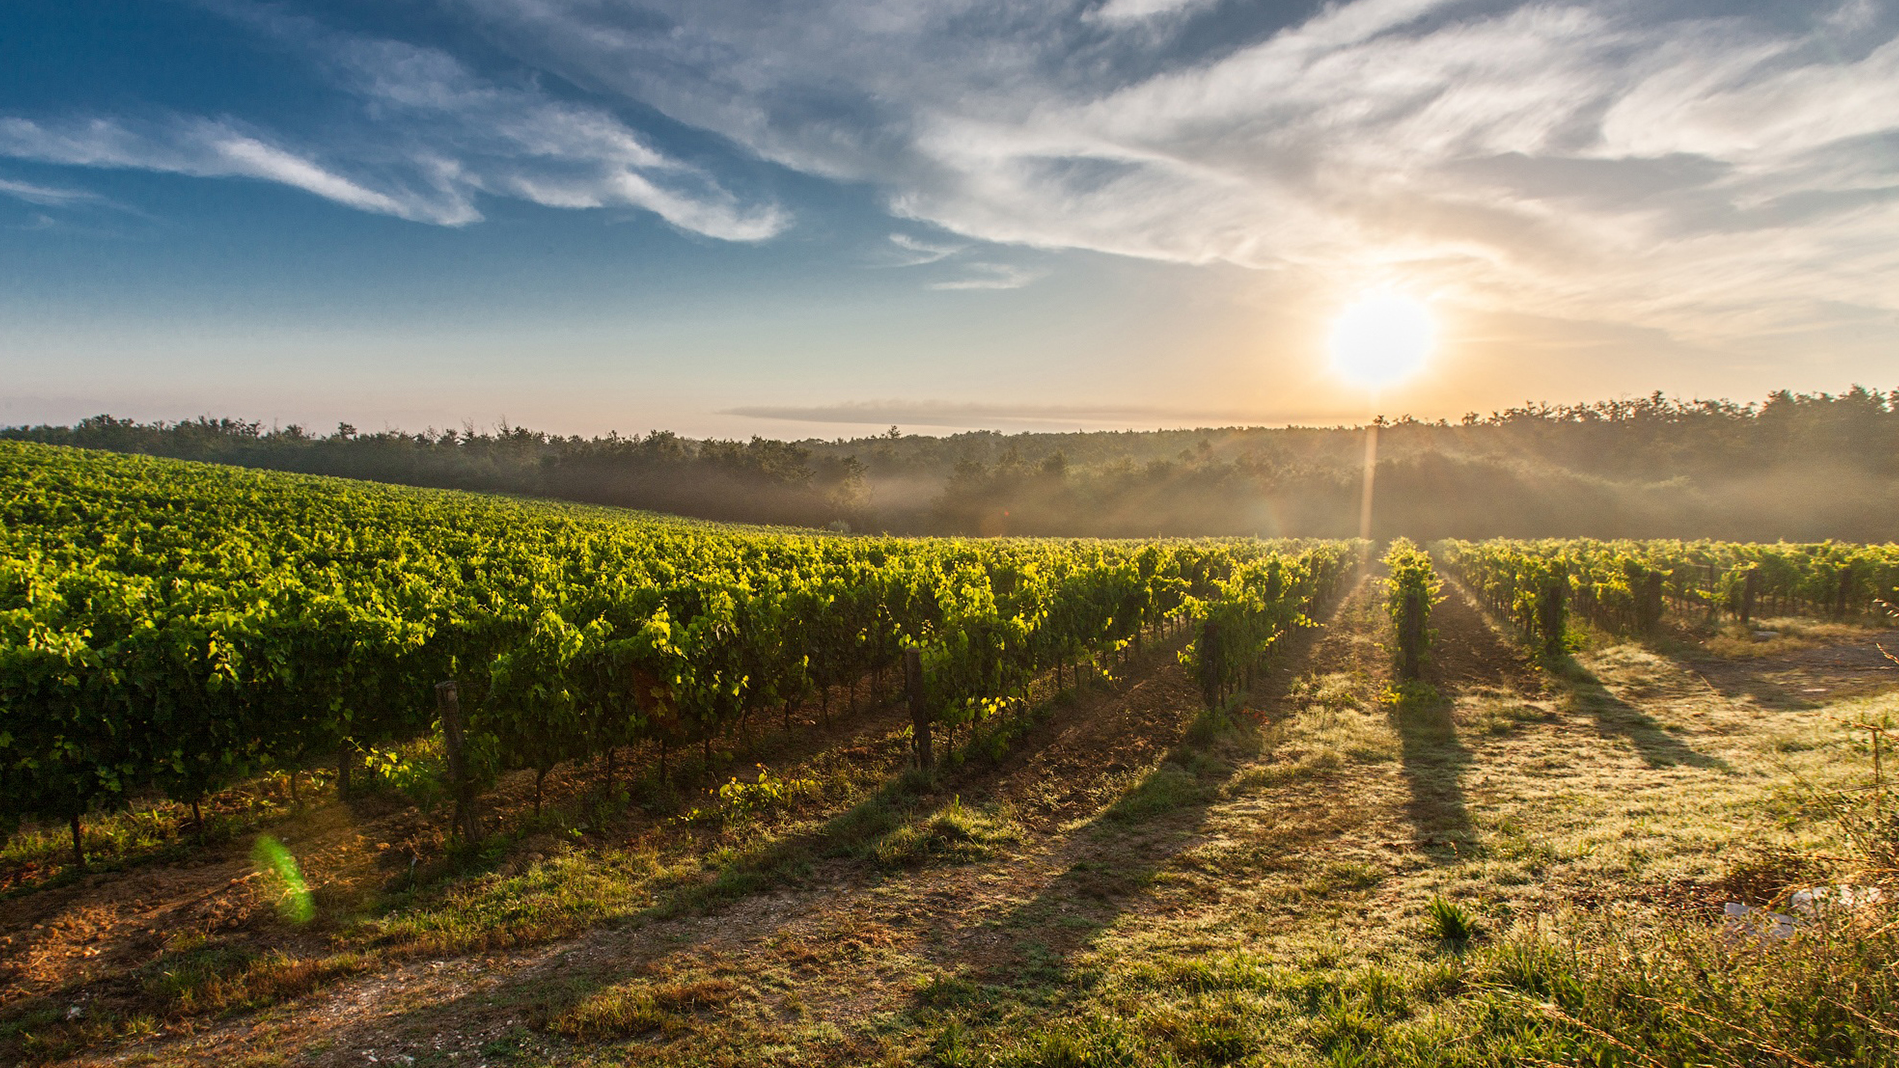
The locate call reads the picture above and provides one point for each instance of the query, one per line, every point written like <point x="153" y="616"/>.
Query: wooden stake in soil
<point x="448" y="700"/>
<point x="1879" y="772"/>
<point x="919" y="712"/>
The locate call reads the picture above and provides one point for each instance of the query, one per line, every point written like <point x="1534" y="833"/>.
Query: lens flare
<point x="283" y="880"/>
<point x="1382" y="338"/>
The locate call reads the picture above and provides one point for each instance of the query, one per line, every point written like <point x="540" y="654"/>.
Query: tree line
<point x="1794" y="466"/>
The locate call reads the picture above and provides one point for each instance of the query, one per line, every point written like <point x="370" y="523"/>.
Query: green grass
<point x="1594" y="993"/>
<point x="955" y="833"/>
<point x="155" y="830"/>
<point x="1451" y="922"/>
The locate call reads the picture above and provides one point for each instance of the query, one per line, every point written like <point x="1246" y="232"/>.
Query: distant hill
<point x="1795" y="466"/>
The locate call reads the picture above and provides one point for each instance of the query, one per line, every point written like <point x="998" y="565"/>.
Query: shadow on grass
<point x="1616" y="717"/>
<point x="910" y="820"/>
<point x="1123" y="848"/>
<point x="1434" y="760"/>
<point x="1796" y="679"/>
<point x="1117" y="855"/>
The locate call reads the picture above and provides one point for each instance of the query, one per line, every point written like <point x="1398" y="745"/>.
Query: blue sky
<point x="821" y="218"/>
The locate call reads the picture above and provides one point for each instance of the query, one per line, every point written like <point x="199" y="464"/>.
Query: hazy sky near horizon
<point x="819" y="218"/>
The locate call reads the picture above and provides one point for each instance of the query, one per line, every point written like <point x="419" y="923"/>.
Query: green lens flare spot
<point x="283" y="879"/>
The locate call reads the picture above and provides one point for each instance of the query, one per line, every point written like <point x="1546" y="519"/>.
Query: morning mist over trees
<point x="1795" y="467"/>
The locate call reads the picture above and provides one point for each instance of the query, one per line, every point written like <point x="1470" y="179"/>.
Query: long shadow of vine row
<point x="841" y="849"/>
<point x="1615" y="717"/>
<point x="1112" y="861"/>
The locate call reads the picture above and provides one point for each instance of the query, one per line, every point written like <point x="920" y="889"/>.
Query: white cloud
<point x="1725" y="107"/>
<point x="202" y="148"/>
<point x="432" y="139"/>
<point x="1603" y="160"/>
<point x="919" y="252"/>
<point x="253" y="158"/>
<point x="1140" y="10"/>
<point x="46" y="195"/>
<point x="991" y="276"/>
<point x="1711" y="175"/>
<point x="941" y="413"/>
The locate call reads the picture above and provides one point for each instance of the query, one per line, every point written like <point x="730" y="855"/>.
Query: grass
<point x="222" y="978"/>
<point x="553" y="897"/>
<point x="632" y="1009"/>
<point x="1452" y="923"/>
<point x="1781" y="634"/>
<point x="1314" y="966"/>
<point x="1586" y="990"/>
<point x="154" y="830"/>
<point x="955" y="833"/>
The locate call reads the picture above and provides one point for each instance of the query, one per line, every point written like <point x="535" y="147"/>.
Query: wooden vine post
<point x="465" y="824"/>
<point x="1877" y="730"/>
<point x="919" y="711"/>
<point x="1649" y="605"/>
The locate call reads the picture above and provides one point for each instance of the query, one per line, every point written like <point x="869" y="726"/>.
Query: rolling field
<point x="1187" y="808"/>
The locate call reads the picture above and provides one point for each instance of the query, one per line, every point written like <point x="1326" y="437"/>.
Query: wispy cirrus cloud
<point x="1712" y="169"/>
<point x="991" y="276"/>
<point x="48" y="196"/>
<point x="1137" y="10"/>
<point x="973" y="274"/>
<point x="429" y="140"/>
<point x="918" y="252"/>
<point x="199" y="147"/>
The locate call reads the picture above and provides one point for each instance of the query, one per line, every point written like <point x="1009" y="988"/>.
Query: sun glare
<point x="1382" y="338"/>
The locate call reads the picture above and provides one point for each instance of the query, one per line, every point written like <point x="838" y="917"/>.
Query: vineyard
<point x="1193" y="802"/>
<point x="174" y="627"/>
<point x="1628" y="587"/>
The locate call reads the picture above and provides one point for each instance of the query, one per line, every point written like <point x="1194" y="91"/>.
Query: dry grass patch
<point x="1780" y="635"/>
<point x="632" y="1009"/>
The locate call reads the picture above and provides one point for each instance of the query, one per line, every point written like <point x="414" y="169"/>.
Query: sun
<point x="1382" y="338"/>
